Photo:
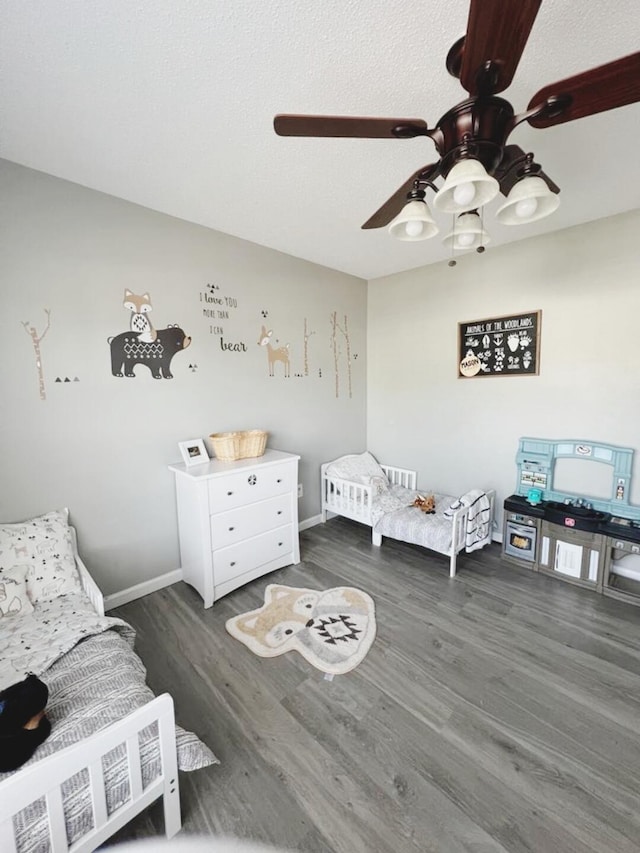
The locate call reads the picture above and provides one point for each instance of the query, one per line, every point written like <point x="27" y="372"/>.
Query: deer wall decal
<point x="277" y="354"/>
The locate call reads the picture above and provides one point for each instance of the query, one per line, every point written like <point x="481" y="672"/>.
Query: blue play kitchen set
<point x="592" y="541"/>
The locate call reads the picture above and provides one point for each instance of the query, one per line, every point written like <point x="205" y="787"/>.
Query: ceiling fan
<point x="471" y="138"/>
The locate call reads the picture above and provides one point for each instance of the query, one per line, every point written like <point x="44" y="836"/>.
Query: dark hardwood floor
<point x="499" y="711"/>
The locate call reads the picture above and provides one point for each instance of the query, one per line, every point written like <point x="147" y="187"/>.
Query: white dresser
<point x="236" y="520"/>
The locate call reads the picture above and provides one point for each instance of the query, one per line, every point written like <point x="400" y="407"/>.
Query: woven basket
<point x="253" y="443"/>
<point x="229" y="446"/>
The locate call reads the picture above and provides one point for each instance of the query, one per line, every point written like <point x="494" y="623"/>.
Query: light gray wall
<point x="101" y="445"/>
<point x="463" y="433"/>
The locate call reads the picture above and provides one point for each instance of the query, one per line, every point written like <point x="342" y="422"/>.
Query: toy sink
<point x="581" y="518"/>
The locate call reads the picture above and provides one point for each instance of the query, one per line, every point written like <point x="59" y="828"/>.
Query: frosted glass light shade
<point x="525" y="208"/>
<point x="414" y="222"/>
<point x="465" y="240"/>
<point x="464" y="193"/>
<point x="468" y="233"/>
<point x="530" y="199"/>
<point x="466" y="187"/>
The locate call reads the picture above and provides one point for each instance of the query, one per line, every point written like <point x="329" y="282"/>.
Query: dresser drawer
<point x="246" y="521"/>
<point x="250" y="485"/>
<point x="244" y="556"/>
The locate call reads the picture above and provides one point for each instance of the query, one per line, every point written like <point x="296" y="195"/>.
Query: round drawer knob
<point x="279" y="480"/>
<point x="229" y="493"/>
<point x="252" y="480"/>
<point x="231" y="528"/>
<point x="280" y="544"/>
<point x="232" y="563"/>
<point x="279" y="512"/>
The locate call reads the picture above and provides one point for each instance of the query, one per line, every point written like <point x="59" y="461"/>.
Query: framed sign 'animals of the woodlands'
<point x="500" y="346"/>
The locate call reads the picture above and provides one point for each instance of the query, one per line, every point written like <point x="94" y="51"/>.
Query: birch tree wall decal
<point x="36" y="340"/>
<point x="337" y="350"/>
<point x="307" y="335"/>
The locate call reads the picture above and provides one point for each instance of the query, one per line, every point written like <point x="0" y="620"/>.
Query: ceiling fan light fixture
<point x="414" y="222"/>
<point x="529" y="200"/>
<point x="467" y="233"/>
<point x="467" y="187"/>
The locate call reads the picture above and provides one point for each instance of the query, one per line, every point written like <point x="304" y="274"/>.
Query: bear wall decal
<point x="127" y="350"/>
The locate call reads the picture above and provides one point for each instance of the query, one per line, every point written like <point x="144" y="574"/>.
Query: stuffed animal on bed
<point x="23" y="722"/>
<point x="426" y="504"/>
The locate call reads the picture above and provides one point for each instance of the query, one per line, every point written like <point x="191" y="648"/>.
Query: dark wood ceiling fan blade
<point x="603" y="88"/>
<point x="357" y="127"/>
<point x="393" y="205"/>
<point x="497" y="32"/>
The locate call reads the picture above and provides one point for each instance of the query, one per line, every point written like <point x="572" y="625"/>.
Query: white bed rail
<point x="90" y="587"/>
<point x="400" y="476"/>
<point x="354" y="500"/>
<point x="344" y="497"/>
<point x="460" y="520"/>
<point x="45" y="779"/>
<point x="88" y="584"/>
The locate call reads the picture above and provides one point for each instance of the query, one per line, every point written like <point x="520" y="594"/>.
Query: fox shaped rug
<point x="333" y="629"/>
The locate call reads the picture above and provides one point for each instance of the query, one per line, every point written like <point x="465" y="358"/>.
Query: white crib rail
<point x="459" y="521"/>
<point x="90" y="587"/>
<point x="45" y="779"/>
<point x="354" y="500"/>
<point x="346" y="498"/>
<point x="400" y="476"/>
<point x="458" y="537"/>
<point x="88" y="584"/>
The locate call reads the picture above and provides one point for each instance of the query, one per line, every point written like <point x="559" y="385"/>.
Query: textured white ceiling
<point x="170" y="105"/>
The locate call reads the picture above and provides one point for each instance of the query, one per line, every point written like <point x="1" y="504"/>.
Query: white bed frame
<point x="354" y="500"/>
<point x="46" y="777"/>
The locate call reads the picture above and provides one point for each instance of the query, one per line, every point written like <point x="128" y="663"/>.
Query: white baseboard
<point x="116" y="599"/>
<point x="310" y="522"/>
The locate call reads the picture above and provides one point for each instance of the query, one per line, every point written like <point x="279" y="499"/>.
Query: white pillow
<point x="356" y="467"/>
<point x="44" y="547"/>
<point x="14" y="600"/>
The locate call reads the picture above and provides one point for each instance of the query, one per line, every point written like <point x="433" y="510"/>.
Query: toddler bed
<point x="381" y="496"/>
<point x="114" y="747"/>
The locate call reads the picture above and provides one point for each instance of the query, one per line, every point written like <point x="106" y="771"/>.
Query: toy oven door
<point x="521" y="541"/>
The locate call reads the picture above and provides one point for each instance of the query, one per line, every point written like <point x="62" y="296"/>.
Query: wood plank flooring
<point x="499" y="711"/>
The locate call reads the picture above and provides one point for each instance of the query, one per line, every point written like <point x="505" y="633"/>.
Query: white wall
<point x="462" y="433"/>
<point x="101" y="445"/>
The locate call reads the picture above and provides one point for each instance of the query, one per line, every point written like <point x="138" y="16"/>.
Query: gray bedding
<point x="97" y="682"/>
<point x="410" y="524"/>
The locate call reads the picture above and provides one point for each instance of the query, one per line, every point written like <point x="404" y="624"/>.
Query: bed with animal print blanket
<point x="113" y="748"/>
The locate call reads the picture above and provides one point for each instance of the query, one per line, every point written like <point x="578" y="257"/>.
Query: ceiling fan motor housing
<point x="477" y="128"/>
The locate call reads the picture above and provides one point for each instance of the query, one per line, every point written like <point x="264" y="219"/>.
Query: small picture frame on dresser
<point x="193" y="452"/>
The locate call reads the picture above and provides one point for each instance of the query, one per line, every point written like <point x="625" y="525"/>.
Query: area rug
<point x="333" y="629"/>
